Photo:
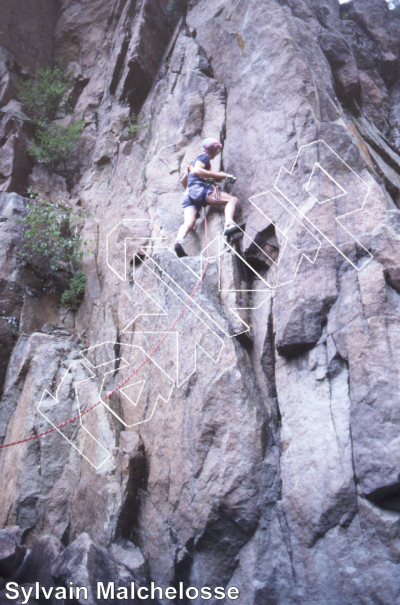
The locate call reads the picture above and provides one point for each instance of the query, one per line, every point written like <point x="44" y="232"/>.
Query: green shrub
<point x="137" y="125"/>
<point x="55" y="143"/>
<point x="52" y="237"/>
<point x="73" y="297"/>
<point x="53" y="242"/>
<point x="44" y="98"/>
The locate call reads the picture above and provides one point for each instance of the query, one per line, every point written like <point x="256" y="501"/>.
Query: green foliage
<point x="73" y="297"/>
<point x="44" y="98"/>
<point x="345" y="15"/>
<point x="137" y="125"/>
<point x="176" y="7"/>
<point x="52" y="237"/>
<point x="55" y="143"/>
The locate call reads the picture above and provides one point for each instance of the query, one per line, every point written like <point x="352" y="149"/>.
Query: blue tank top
<point x="198" y="180"/>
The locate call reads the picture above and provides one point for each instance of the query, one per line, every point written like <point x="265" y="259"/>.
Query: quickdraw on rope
<point x="158" y="345"/>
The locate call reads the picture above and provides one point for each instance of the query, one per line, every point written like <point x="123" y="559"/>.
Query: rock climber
<point x="199" y="193"/>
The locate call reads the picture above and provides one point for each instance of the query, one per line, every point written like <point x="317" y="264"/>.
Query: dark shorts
<point x="196" y="196"/>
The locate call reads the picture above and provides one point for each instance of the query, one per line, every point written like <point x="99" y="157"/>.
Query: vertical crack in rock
<point x="134" y="494"/>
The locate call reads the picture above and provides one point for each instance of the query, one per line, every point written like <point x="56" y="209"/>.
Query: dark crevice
<point x="336" y="366"/>
<point x="263" y="250"/>
<point x="136" y="490"/>
<point x="131" y="279"/>
<point x="183" y="566"/>
<point x="136" y="87"/>
<point x="139" y="258"/>
<point x="117" y="353"/>
<point x="119" y="65"/>
<point x="387" y="497"/>
<point x="78" y="88"/>
<point x="66" y="535"/>
<point x="292" y="350"/>
<point x="244" y="275"/>
<point x="268" y="358"/>
<point x="221" y="540"/>
<point x="245" y="340"/>
<point x="393" y="284"/>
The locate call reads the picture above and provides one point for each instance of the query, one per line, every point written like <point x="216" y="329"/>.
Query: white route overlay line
<point x="56" y="399"/>
<point x="198" y="310"/>
<point x="286" y="239"/>
<point x="128" y="239"/>
<point x="391" y="317"/>
<point x="81" y="408"/>
<point x="173" y="332"/>
<point x="127" y="364"/>
<point x="335" y="197"/>
<point x="197" y="346"/>
<point x="283" y="169"/>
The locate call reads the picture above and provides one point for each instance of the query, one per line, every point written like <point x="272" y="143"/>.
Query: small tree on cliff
<point x="53" y="242"/>
<point x="44" y="98"/>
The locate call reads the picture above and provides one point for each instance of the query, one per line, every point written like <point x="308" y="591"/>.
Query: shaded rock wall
<point x="273" y="463"/>
<point x="26" y="42"/>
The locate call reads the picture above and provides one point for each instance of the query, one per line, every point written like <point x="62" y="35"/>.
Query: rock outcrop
<point x="259" y="447"/>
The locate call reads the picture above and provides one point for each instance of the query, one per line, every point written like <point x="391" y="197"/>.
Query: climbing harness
<point x="216" y="188"/>
<point x="158" y="345"/>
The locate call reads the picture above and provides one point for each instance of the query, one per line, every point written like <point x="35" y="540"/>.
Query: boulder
<point x="86" y="564"/>
<point x="126" y="553"/>
<point x="11" y="552"/>
<point x="38" y="563"/>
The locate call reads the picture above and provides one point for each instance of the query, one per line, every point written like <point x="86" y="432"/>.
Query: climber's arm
<point x="200" y="170"/>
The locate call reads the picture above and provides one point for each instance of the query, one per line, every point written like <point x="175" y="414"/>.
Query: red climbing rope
<point x="158" y="345"/>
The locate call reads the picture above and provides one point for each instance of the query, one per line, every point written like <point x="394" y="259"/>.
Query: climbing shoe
<point x="179" y="250"/>
<point x="234" y="229"/>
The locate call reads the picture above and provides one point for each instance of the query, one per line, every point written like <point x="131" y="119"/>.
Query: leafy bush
<point x="52" y="237"/>
<point x="73" y="297"/>
<point x="135" y="127"/>
<point x="44" y="98"/>
<point x="53" y="242"/>
<point x="55" y="143"/>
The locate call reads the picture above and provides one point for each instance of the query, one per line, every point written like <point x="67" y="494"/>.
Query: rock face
<point x="37" y="565"/>
<point x="259" y="446"/>
<point x="87" y="564"/>
<point x="11" y="551"/>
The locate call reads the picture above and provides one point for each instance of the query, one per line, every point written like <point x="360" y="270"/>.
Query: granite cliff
<point x="259" y="448"/>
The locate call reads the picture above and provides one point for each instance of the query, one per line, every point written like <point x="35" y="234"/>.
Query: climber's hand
<point x="221" y="175"/>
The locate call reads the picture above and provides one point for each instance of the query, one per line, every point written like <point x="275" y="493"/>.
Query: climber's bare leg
<point x="230" y="203"/>
<point x="189" y="220"/>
